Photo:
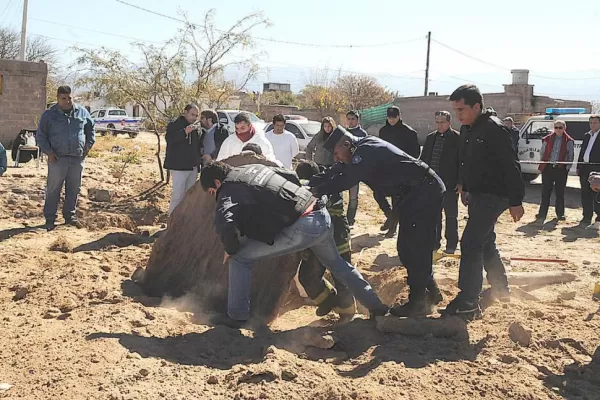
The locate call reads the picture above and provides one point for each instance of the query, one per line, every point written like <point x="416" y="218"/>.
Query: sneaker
<point x="490" y="295"/>
<point x="468" y="310"/>
<point x="595" y="226"/>
<point x="75" y="223"/>
<point x="223" y="319"/>
<point x="49" y="226"/>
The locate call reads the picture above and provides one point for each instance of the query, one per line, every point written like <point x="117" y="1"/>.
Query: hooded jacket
<point x="183" y="151"/>
<point x="402" y="136"/>
<point x="315" y="150"/>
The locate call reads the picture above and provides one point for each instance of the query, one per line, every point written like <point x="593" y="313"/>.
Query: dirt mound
<point x="101" y="221"/>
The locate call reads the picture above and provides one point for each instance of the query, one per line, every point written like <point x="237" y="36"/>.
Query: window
<point x="310" y="127"/>
<point x="94" y="114"/>
<point x="295" y="130"/>
<point x="120" y="113"/>
<point x="101" y="114"/>
<point x="577" y="130"/>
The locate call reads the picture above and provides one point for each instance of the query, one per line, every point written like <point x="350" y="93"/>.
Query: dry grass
<point x="104" y="145"/>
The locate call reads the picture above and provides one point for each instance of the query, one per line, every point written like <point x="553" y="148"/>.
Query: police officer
<point x="392" y="172"/>
<point x="491" y="183"/>
<point x="275" y="216"/>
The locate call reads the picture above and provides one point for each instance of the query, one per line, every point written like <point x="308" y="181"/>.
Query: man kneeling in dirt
<point x="326" y="296"/>
<point x="276" y="217"/>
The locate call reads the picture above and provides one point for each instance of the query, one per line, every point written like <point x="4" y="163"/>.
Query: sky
<point x="471" y="42"/>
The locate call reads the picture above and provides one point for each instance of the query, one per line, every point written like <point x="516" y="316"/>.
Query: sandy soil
<point x="73" y="325"/>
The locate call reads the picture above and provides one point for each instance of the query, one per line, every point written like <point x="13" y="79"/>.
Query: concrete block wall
<point x="23" y="97"/>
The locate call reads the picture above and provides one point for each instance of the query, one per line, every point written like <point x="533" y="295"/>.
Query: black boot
<point x="434" y="296"/>
<point x="327" y="305"/>
<point x="418" y="305"/>
<point x="386" y="225"/>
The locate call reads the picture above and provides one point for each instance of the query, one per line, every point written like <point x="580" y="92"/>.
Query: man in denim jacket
<point x="65" y="134"/>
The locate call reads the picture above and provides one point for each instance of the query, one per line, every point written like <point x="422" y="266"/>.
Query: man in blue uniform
<point x="392" y="172"/>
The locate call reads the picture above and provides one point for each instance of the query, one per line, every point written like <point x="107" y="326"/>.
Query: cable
<point x="347" y="46"/>
<point x="5" y="8"/>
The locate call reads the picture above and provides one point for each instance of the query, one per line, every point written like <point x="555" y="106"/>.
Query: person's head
<point x="212" y="176"/>
<point x="393" y="115"/>
<point x="306" y="169"/>
<point x="509" y="122"/>
<point x="208" y="118"/>
<point x="190" y="113"/>
<point x="63" y="98"/>
<point x="253" y="147"/>
<point x="352" y="118"/>
<point x="242" y="123"/>
<point x="467" y="103"/>
<point x="278" y="124"/>
<point x="595" y="122"/>
<point x="442" y="120"/>
<point x="560" y="127"/>
<point x="328" y="125"/>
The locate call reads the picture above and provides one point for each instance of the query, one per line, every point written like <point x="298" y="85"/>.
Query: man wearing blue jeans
<point x="276" y="216"/>
<point x="65" y="134"/>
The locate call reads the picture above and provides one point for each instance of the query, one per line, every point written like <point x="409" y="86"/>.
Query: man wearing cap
<point x="391" y="172"/>
<point x="405" y="138"/>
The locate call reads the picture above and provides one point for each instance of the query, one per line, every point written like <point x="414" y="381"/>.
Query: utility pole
<point x="23" y="32"/>
<point x="427" y="64"/>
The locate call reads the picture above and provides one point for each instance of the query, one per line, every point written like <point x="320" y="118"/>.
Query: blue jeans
<point x="68" y="171"/>
<point x="313" y="231"/>
<point x="478" y="246"/>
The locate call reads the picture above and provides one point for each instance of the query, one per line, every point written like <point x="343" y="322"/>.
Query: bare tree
<point x="10" y="41"/>
<point x="188" y="68"/>
<point x="38" y="48"/>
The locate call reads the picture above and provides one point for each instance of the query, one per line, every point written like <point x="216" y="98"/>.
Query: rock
<point x="536" y="313"/>
<point x="567" y="295"/>
<point x="20" y="293"/>
<point x="5" y="386"/>
<point x="51" y="313"/>
<point x="212" y="380"/>
<point x="68" y="305"/>
<point x="288" y="375"/>
<point x="509" y="359"/>
<point x="144" y="372"/>
<point x="100" y="195"/>
<point x="64" y="316"/>
<point x="105" y="268"/>
<point x="134" y="356"/>
<point x="18" y="190"/>
<point x="519" y="334"/>
<point x="586" y="262"/>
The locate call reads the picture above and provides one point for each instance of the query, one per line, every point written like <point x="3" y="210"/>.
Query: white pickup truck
<point x="115" y="121"/>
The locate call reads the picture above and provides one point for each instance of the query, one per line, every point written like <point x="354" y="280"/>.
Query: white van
<point x="531" y="134"/>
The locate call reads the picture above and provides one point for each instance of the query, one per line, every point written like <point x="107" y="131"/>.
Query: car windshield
<point x="118" y="112"/>
<point x="253" y="117"/>
<point x="310" y="127"/>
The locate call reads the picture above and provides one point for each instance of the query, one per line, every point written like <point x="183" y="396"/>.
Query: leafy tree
<point x="361" y="91"/>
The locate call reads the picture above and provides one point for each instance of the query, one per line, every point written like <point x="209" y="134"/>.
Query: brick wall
<point x="23" y="97"/>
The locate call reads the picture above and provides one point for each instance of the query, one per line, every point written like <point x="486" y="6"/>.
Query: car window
<point x="94" y="114"/>
<point x="310" y="127"/>
<point x="269" y="128"/>
<point x="101" y="114"/>
<point x="295" y="130"/>
<point x="577" y="130"/>
<point x="120" y="113"/>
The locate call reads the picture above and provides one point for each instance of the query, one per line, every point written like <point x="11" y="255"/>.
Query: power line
<point x="5" y="8"/>
<point x="345" y="46"/>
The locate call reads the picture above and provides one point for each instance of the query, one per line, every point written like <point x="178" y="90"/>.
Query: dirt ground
<point x="74" y="326"/>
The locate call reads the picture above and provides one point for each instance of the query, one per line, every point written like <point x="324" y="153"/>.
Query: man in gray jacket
<point x="65" y="134"/>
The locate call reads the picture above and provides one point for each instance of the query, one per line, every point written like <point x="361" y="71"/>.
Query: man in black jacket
<point x="353" y="121"/>
<point x="405" y="138"/>
<point x="589" y="153"/>
<point x="183" y="155"/>
<point x="276" y="216"/>
<point x="490" y="175"/>
<point x="441" y="152"/>
<point x="214" y="135"/>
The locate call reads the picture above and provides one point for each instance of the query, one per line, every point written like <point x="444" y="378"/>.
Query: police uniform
<point x="311" y="273"/>
<point x="392" y="172"/>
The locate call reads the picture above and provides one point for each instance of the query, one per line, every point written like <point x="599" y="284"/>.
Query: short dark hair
<point x="595" y="116"/>
<point x="393" y="111"/>
<point x="211" y="171"/>
<point x="254" y="148"/>
<point x="63" y="90"/>
<point x="306" y="169"/>
<point x="242" y="117"/>
<point x="210" y="114"/>
<point x="469" y="93"/>
<point x="353" y="113"/>
<point x="189" y="107"/>
<point x="278" y="118"/>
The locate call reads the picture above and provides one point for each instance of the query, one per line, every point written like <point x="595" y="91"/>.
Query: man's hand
<point x="458" y="188"/>
<point x="52" y="158"/>
<point x="226" y="257"/>
<point x="516" y="212"/>
<point x="188" y="129"/>
<point x="464" y="197"/>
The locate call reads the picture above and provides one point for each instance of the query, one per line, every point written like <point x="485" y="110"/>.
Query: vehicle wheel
<point x="132" y="134"/>
<point x="111" y="126"/>
<point x="529" y="177"/>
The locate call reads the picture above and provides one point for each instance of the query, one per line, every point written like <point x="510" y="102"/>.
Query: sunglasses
<point x="559" y="127"/>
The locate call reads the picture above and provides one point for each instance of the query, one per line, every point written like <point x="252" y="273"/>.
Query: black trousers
<point x="450" y="209"/>
<point x="553" y="178"/>
<point x="588" y="197"/>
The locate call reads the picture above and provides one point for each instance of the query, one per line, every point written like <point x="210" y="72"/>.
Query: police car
<point x="115" y="121"/>
<point x="531" y="134"/>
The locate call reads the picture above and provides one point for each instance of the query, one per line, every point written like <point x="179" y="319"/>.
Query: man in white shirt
<point x="590" y="153"/>
<point x="245" y="133"/>
<point x="285" y="144"/>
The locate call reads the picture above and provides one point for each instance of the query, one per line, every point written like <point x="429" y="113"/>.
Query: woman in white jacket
<point x="245" y="133"/>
